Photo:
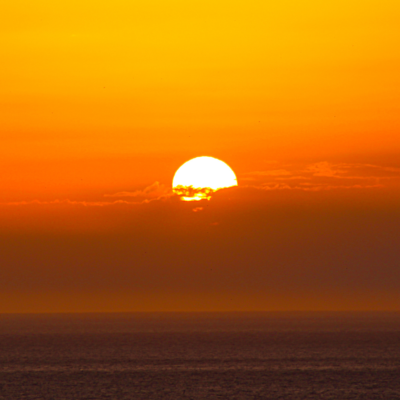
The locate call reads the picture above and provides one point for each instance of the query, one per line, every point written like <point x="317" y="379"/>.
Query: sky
<point x="101" y="102"/>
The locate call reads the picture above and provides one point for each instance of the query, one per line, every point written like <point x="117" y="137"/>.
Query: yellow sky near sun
<point x="90" y="80"/>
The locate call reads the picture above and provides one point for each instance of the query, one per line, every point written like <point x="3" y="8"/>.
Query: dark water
<point x="200" y="356"/>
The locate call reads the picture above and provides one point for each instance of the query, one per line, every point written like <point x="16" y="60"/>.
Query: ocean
<point x="148" y="356"/>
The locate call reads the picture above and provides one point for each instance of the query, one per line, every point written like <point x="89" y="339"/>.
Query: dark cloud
<point x="248" y="248"/>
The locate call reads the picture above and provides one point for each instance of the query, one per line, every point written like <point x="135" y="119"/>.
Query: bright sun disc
<point x="199" y="177"/>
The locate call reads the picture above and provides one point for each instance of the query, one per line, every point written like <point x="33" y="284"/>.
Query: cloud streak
<point x="324" y="176"/>
<point x="69" y="202"/>
<point x="154" y="191"/>
<point x="321" y="176"/>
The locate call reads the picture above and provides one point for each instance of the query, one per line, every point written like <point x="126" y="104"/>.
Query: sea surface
<point x="200" y="356"/>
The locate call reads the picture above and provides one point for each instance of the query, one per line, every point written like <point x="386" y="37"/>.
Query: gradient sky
<point x="101" y="102"/>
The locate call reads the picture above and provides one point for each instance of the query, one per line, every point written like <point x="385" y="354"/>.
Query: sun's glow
<point x="198" y="178"/>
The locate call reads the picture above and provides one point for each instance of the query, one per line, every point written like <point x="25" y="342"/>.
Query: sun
<point x="197" y="178"/>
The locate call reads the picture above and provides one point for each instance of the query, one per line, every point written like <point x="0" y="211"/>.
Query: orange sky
<point x="100" y="100"/>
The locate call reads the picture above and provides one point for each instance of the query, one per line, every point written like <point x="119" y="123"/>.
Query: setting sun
<point x="196" y="179"/>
